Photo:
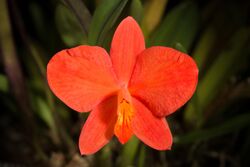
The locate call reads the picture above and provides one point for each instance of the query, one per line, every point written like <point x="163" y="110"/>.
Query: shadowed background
<point x="212" y="129"/>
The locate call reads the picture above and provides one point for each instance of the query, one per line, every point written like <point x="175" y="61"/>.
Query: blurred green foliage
<point x="68" y="26"/>
<point x="212" y="129"/>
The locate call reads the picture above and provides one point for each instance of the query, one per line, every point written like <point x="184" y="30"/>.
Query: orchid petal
<point x="164" y="79"/>
<point x="99" y="127"/>
<point x="152" y="130"/>
<point x="127" y="43"/>
<point x="81" y="77"/>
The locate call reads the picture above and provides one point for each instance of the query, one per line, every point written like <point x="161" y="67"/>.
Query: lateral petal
<point x="164" y="79"/>
<point x="127" y="43"/>
<point x="81" y="77"/>
<point x="99" y="127"/>
<point x="152" y="130"/>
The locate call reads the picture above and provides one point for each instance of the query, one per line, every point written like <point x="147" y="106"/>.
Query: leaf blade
<point x="104" y="19"/>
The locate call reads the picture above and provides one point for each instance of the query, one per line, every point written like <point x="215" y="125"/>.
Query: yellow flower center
<point x="124" y="116"/>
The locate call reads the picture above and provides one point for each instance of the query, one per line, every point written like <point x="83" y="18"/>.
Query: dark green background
<point x="212" y="129"/>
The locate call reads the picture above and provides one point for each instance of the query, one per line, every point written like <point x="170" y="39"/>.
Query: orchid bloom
<point x="129" y="92"/>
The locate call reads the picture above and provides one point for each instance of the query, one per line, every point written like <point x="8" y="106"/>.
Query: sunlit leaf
<point x="179" y="26"/>
<point x="153" y="13"/>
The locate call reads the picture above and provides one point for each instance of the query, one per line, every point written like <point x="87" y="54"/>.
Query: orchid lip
<point x="125" y="113"/>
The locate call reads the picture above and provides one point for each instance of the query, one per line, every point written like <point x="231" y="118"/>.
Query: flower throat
<point x="123" y="124"/>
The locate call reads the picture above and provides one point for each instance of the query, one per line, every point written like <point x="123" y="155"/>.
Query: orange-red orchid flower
<point x="129" y="92"/>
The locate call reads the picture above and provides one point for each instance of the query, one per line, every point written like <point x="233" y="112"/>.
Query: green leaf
<point x="136" y="10"/>
<point x="179" y="26"/>
<point x="3" y="83"/>
<point x="226" y="65"/>
<point x="229" y="126"/>
<point x="69" y="28"/>
<point x="204" y="47"/>
<point x="179" y="47"/>
<point x="81" y="12"/>
<point x="128" y="152"/>
<point x="142" y="156"/>
<point x="104" y="19"/>
<point x="44" y="112"/>
<point x="104" y="157"/>
<point x="153" y="13"/>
